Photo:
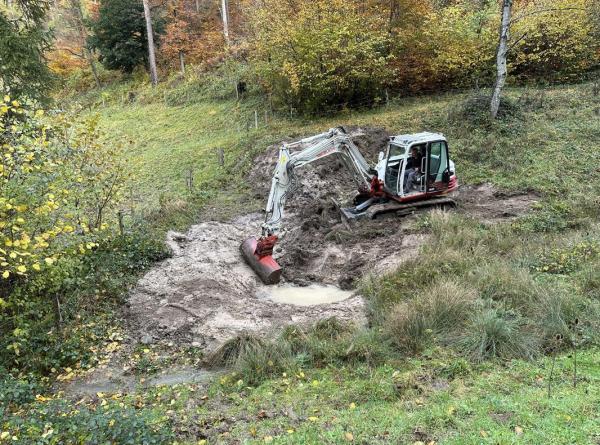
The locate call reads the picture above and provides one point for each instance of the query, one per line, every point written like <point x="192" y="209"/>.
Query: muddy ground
<point x="206" y="294"/>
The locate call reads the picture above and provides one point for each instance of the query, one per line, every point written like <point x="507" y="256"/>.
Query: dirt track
<point x="206" y="294"/>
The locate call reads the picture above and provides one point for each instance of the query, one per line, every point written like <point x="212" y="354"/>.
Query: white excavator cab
<point x="427" y="173"/>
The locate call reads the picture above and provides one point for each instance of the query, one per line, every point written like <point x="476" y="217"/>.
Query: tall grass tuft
<point x="496" y="333"/>
<point x="254" y="358"/>
<point x="437" y="311"/>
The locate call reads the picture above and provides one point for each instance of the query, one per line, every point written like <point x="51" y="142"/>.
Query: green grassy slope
<point x="546" y="144"/>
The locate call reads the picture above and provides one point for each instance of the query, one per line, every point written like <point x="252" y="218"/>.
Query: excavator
<point x="414" y="171"/>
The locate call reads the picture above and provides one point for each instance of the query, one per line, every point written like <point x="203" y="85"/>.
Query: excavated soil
<point x="206" y="294"/>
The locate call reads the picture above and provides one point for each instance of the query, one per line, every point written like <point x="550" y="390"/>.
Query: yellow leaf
<point x="268" y="439"/>
<point x="4" y="434"/>
<point x="36" y="266"/>
<point x="353" y="405"/>
<point x="349" y="436"/>
<point x="21" y="269"/>
<point x="313" y="418"/>
<point x="518" y="430"/>
<point x="5" y="274"/>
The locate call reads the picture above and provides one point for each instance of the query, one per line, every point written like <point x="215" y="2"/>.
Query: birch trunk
<point x="83" y="34"/>
<point x="225" y="16"/>
<point x="181" y="62"/>
<point x="501" y="64"/>
<point x="151" y="54"/>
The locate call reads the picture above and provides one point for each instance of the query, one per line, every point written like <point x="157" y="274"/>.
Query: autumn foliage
<point x="320" y="56"/>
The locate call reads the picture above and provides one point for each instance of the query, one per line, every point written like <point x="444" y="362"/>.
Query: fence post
<point x="255" y="118"/>
<point x="190" y="179"/>
<point x="387" y="98"/>
<point x="121" y="225"/>
<point x="221" y="156"/>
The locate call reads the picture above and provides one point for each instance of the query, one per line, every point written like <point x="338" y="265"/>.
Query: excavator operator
<point x="413" y="167"/>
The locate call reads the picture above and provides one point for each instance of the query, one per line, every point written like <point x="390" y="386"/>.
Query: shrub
<point x="16" y="392"/>
<point x="475" y="111"/>
<point x="62" y="422"/>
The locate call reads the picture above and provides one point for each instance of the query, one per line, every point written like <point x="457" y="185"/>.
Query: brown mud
<point x="206" y="294"/>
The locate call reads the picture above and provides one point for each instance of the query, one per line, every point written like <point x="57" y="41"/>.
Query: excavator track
<point x="400" y="209"/>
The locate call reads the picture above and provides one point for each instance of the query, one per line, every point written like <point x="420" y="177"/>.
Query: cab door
<point x="437" y="166"/>
<point x="394" y="168"/>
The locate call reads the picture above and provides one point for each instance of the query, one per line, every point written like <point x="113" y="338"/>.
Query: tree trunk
<point x="151" y="55"/>
<point x="83" y="34"/>
<point x="501" y="64"/>
<point x="181" y="62"/>
<point x="90" y="57"/>
<point x="58" y="320"/>
<point x="394" y="13"/>
<point x="225" y="16"/>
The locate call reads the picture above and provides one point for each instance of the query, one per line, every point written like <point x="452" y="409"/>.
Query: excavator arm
<point x="258" y="253"/>
<point x="334" y="142"/>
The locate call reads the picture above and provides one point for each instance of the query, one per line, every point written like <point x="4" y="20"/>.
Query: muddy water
<point x="312" y="295"/>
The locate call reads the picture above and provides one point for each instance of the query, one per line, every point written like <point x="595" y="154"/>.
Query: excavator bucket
<point x="260" y="259"/>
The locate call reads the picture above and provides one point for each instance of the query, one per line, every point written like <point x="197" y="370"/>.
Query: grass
<point x="477" y="300"/>
<point x="436" y="398"/>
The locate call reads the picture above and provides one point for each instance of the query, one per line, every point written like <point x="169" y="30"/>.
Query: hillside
<point x="517" y="262"/>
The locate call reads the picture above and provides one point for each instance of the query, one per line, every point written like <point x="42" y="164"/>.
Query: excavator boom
<point x="258" y="252"/>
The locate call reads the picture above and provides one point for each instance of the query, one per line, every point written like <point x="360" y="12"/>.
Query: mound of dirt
<point x="486" y="203"/>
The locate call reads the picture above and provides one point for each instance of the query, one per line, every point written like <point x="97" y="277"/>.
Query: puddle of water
<point x="306" y="296"/>
<point x="181" y="376"/>
<point x="129" y="383"/>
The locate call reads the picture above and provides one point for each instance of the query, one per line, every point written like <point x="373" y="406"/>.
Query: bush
<point x="475" y="111"/>
<point x="16" y="391"/>
<point x="61" y="422"/>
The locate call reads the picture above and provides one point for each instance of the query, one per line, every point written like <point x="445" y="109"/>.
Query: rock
<point x="146" y="339"/>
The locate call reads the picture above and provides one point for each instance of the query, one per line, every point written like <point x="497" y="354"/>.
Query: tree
<point x="320" y="55"/>
<point x="554" y="36"/>
<point x="225" y="17"/>
<point x="501" y="55"/>
<point x="120" y="35"/>
<point x="24" y="40"/>
<point x="150" y="38"/>
<point x="71" y="33"/>
<point x="191" y="36"/>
